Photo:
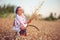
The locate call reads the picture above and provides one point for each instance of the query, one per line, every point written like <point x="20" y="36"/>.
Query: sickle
<point x="33" y="26"/>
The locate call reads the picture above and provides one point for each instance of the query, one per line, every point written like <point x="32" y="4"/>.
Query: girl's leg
<point x="15" y="33"/>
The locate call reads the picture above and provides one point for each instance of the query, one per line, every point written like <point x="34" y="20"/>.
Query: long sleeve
<point x="23" y="21"/>
<point x="16" y="25"/>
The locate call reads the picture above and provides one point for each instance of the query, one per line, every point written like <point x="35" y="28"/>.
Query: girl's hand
<point x="22" y="28"/>
<point x="29" y="21"/>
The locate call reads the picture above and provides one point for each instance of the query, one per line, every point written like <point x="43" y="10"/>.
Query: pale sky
<point x="30" y="5"/>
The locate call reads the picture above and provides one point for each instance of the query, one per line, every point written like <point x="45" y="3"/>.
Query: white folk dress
<point x="18" y="21"/>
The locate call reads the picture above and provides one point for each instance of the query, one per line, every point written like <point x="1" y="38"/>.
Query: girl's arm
<point x="16" y="23"/>
<point x="29" y="21"/>
<point x="32" y="17"/>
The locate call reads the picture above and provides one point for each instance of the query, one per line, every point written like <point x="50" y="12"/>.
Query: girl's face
<point x="19" y="11"/>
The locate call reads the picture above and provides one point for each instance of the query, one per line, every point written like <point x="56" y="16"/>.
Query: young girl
<point x="20" y="22"/>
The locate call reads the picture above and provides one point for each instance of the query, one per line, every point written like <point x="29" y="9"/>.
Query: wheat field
<point x="48" y="30"/>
